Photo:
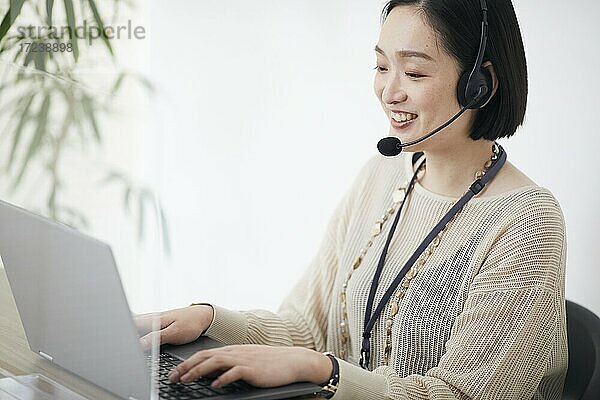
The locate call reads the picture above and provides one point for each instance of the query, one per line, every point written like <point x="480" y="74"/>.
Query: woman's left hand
<point x="258" y="365"/>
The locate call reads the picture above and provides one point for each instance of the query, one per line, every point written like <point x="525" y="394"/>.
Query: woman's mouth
<point x="402" y="120"/>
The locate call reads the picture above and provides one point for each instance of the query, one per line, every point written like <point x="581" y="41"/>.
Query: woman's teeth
<point x="402" y="117"/>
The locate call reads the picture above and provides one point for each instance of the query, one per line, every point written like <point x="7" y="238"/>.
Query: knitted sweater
<point x="484" y="318"/>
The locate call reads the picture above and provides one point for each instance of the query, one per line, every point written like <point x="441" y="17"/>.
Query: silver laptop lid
<point x="70" y="299"/>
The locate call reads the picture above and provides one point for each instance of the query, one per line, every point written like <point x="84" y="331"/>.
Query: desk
<point x="16" y="358"/>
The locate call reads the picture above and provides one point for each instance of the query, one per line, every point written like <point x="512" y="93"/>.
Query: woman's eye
<point x="409" y="74"/>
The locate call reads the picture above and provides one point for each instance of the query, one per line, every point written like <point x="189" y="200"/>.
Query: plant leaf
<point x="71" y="22"/>
<point x="49" y="5"/>
<point x="12" y="14"/>
<point x="40" y="60"/>
<point x="80" y="131"/>
<point x="100" y="24"/>
<point x="52" y="199"/>
<point x="84" y="221"/>
<point x="112" y="176"/>
<point x="38" y="57"/>
<point x="18" y="130"/>
<point x="118" y="82"/>
<point x="14" y="88"/>
<point x="140" y="78"/>
<point x="29" y="56"/>
<point x="141" y="218"/>
<point x="78" y="218"/>
<point x="146" y="82"/>
<point x="36" y="141"/>
<point x="89" y="111"/>
<point x="7" y="45"/>
<point x="146" y="195"/>
<point x="126" y="199"/>
<point x="165" y="231"/>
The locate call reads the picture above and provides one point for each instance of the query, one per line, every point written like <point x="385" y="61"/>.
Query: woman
<point x="481" y="314"/>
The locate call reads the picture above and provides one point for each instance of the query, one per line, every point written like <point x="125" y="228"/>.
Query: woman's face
<point x="420" y="81"/>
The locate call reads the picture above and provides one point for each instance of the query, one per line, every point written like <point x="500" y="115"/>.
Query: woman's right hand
<point x="179" y="326"/>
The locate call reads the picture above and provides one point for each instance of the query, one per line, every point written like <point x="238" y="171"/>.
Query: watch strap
<point x="330" y="386"/>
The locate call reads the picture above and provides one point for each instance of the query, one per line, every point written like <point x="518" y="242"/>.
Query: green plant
<point x="48" y="107"/>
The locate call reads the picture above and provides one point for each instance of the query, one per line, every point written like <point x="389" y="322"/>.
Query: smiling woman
<point x="462" y="295"/>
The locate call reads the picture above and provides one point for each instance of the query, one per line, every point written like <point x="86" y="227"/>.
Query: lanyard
<point x="371" y="318"/>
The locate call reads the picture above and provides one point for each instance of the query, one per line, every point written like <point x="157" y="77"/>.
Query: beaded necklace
<point x="398" y="197"/>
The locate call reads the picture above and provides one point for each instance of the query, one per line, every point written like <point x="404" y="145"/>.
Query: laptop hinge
<point x="46" y="356"/>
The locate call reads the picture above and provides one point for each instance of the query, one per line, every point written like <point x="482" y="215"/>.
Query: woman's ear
<point x="490" y="68"/>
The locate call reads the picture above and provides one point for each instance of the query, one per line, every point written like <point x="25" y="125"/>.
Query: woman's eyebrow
<point x="407" y="53"/>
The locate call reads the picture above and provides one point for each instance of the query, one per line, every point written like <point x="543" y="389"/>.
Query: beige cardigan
<point x="484" y="319"/>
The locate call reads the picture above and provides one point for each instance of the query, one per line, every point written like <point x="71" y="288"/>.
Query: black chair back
<point x="583" y="375"/>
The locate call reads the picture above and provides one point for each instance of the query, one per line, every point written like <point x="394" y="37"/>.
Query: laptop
<point x="75" y="315"/>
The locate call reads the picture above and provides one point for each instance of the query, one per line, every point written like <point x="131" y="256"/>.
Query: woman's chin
<point x="403" y="135"/>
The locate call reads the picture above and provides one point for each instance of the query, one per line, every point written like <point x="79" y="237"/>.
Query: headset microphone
<point x="473" y="91"/>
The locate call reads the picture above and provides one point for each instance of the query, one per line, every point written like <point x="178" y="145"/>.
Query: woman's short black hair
<point x="458" y="26"/>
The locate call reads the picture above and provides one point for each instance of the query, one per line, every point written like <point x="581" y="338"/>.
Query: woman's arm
<point x="302" y="317"/>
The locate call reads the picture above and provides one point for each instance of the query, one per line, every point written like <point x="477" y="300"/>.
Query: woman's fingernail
<point x="185" y="378"/>
<point x="173" y="375"/>
<point x="215" y="383"/>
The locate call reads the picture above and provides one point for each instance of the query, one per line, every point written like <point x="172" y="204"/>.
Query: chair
<point x="583" y="332"/>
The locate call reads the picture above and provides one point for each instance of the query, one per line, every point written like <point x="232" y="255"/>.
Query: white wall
<point x="266" y="113"/>
<point x="557" y="146"/>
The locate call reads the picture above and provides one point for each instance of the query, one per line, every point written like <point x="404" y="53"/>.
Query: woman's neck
<point x="450" y="173"/>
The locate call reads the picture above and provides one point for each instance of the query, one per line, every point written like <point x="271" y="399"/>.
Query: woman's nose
<point x="393" y="91"/>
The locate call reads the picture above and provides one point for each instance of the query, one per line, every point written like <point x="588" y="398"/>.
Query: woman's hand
<point x="179" y="326"/>
<point x="258" y="365"/>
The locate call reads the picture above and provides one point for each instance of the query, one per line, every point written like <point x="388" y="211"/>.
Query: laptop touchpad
<point x="186" y="350"/>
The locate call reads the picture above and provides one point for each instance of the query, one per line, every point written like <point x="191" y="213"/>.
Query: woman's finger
<point x="231" y="375"/>
<point x="210" y="364"/>
<point x="183" y="367"/>
<point x="196" y="358"/>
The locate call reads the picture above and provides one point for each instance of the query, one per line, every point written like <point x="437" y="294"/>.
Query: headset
<point x="469" y="85"/>
<point x="474" y="90"/>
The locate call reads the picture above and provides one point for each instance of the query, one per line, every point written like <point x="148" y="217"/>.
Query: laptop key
<point x="206" y="392"/>
<point x="199" y="389"/>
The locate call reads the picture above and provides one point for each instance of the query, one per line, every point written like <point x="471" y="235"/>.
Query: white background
<point x="264" y="114"/>
<point x="267" y="113"/>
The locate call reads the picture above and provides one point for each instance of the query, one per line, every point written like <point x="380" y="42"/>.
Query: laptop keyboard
<point x="199" y="389"/>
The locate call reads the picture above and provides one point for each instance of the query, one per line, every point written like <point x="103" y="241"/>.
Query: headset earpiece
<point x="477" y="89"/>
<point x="467" y="90"/>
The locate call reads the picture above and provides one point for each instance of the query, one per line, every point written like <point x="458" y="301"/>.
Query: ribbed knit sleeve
<point x="503" y="342"/>
<point x="301" y="320"/>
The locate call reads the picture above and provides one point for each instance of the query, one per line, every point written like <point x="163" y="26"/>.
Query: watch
<point x="329" y="387"/>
